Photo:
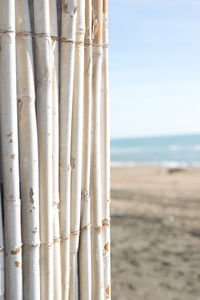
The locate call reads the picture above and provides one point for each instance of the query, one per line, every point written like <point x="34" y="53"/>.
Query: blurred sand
<point x="155" y="233"/>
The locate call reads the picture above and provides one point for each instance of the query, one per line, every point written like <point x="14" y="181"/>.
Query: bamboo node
<point x="1" y="249"/>
<point x="98" y="46"/>
<point x="105" y="45"/>
<point x="56" y="240"/>
<point x="85" y="195"/>
<point x="23" y="33"/>
<point x="12" y="156"/>
<point x="54" y="38"/>
<point x="35" y="230"/>
<point x="98" y="229"/>
<point x="108" y="292"/>
<point x="5" y="31"/>
<point x="74" y="233"/>
<point x="106" y="222"/>
<point x="106" y="247"/>
<point x="41" y="35"/>
<point x="32" y="245"/>
<point x="72" y="11"/>
<point x="64" y="40"/>
<point x="85" y="228"/>
<point x="17" y="264"/>
<point x="64" y="238"/>
<point x="65" y="8"/>
<point x="48" y="245"/>
<point x="14" y="251"/>
<point x="87" y="42"/>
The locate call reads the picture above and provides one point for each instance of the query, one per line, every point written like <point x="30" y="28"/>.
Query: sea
<point x="172" y="151"/>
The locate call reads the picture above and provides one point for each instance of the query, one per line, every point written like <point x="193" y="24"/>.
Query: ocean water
<point x="182" y="150"/>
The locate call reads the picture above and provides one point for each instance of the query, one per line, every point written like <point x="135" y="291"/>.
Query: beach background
<point x="155" y="211"/>
<point x="154" y="65"/>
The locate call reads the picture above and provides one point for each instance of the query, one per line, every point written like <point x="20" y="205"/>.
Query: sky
<point x="154" y="52"/>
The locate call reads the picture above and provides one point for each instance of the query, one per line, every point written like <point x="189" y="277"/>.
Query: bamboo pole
<point x="2" y="269"/>
<point x="67" y="53"/>
<point x="105" y="157"/>
<point x="85" y="237"/>
<point x="55" y="117"/>
<point x="96" y="190"/>
<point x="1" y="179"/>
<point x="28" y="153"/>
<point x="76" y="150"/>
<point x="2" y="250"/>
<point x="9" y="144"/>
<point x="44" y="121"/>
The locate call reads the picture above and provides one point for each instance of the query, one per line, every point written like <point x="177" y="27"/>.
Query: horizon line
<point x="155" y="136"/>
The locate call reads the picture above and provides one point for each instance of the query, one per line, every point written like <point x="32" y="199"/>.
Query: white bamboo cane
<point x="28" y="153"/>
<point x="2" y="252"/>
<point x="85" y="237"/>
<point x="2" y="270"/>
<point x="67" y="49"/>
<point x="55" y="117"/>
<point x="1" y="175"/>
<point x="9" y="144"/>
<point x="105" y="157"/>
<point x="96" y="191"/>
<point x="1" y="179"/>
<point x="44" y="120"/>
<point x="76" y="150"/>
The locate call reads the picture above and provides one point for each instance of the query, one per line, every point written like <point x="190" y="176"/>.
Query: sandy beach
<point x="155" y="233"/>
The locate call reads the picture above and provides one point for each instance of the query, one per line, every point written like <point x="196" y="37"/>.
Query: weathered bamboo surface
<point x="54" y="150"/>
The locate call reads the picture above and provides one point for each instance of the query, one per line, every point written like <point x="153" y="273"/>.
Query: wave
<point x="170" y="148"/>
<point x="175" y="148"/>
<point x="121" y="150"/>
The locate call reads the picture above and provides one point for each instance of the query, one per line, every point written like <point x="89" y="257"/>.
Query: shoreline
<point x="167" y="164"/>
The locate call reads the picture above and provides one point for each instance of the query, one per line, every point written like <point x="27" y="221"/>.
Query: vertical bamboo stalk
<point x="2" y="251"/>
<point x="96" y="190"/>
<point x="28" y="153"/>
<point x="67" y="53"/>
<point x="2" y="270"/>
<point x="76" y="150"/>
<point x="9" y="144"/>
<point x="85" y="237"/>
<point x="1" y="175"/>
<point x="55" y="122"/>
<point x="44" y="121"/>
<point x="105" y="157"/>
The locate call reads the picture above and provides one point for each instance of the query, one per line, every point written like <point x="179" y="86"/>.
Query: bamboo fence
<point x="54" y="150"/>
